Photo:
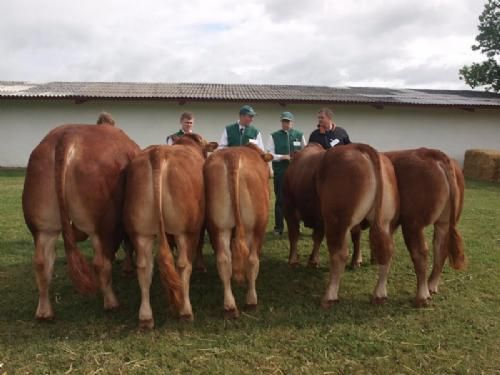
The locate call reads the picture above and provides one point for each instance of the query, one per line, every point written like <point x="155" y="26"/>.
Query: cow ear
<point x="267" y="157"/>
<point x="175" y="138"/>
<point x="211" y="146"/>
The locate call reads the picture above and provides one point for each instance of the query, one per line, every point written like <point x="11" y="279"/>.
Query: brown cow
<point x="237" y="194"/>
<point x="354" y="183"/>
<point x="300" y="200"/>
<point x="74" y="184"/>
<point x="334" y="191"/>
<point x="431" y="187"/>
<point x="165" y="196"/>
<point x="425" y="177"/>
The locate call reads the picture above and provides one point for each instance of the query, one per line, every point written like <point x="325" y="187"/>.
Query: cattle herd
<point x="88" y="181"/>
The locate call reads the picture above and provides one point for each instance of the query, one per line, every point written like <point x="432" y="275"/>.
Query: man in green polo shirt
<point x="187" y="123"/>
<point x="242" y="132"/>
<point x="282" y="144"/>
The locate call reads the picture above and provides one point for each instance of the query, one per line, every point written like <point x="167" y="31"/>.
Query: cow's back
<point x="422" y="184"/>
<point x="95" y="159"/>
<point x="253" y="189"/>
<point x="182" y="191"/>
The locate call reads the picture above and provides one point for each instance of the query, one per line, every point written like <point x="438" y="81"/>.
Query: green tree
<point x="486" y="73"/>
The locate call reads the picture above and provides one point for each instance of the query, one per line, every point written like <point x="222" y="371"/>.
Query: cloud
<point x="415" y="43"/>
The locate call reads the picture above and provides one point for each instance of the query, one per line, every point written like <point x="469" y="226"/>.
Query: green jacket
<point x="285" y="143"/>
<point x="234" y="138"/>
<point x="180" y="133"/>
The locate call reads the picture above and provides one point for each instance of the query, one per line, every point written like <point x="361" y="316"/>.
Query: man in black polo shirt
<point x="328" y="134"/>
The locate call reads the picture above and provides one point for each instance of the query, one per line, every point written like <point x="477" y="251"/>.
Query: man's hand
<point x="285" y="157"/>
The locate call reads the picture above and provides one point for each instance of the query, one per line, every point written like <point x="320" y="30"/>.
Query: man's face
<point x="187" y="125"/>
<point x="246" y="120"/>
<point x="286" y="124"/>
<point x="324" y="122"/>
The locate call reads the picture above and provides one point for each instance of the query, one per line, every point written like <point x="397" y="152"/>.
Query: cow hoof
<point x="419" y="302"/>
<point x="146" y="324"/>
<point x="355" y="265"/>
<point x="250" y="307"/>
<point x="231" y="314"/>
<point x="186" y="318"/>
<point x="45" y="318"/>
<point x="294" y="264"/>
<point x="378" y="300"/>
<point x="111" y="308"/>
<point x="326" y="305"/>
<point x="313" y="264"/>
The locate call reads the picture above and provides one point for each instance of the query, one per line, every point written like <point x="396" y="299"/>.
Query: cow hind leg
<point x="337" y="248"/>
<point x="199" y="261"/>
<point x="415" y="242"/>
<point x="318" y="234"/>
<point x="144" y="264"/>
<point x="224" y="266"/>
<point x="43" y="262"/>
<point x="382" y="247"/>
<point x="253" y="265"/>
<point x="357" y="257"/>
<point x="186" y="247"/>
<point x="440" y="250"/>
<point x="128" y="262"/>
<point x="293" y="225"/>
<point x="103" y="268"/>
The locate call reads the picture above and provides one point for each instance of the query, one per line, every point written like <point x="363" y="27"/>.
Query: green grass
<point x="289" y="333"/>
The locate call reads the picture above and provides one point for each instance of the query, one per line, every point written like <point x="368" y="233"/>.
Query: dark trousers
<point x="278" y="205"/>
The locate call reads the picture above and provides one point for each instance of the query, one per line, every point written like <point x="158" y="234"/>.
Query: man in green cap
<point x="282" y="144"/>
<point x="242" y="132"/>
<point x="187" y="123"/>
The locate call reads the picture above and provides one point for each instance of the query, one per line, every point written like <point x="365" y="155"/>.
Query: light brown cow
<point x="237" y="194"/>
<point x="74" y="184"/>
<point x="431" y="187"/>
<point x="333" y="192"/>
<point x="165" y="196"/>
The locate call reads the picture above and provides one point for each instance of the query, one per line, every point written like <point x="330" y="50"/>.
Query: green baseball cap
<point x="286" y="116"/>
<point x="247" y="110"/>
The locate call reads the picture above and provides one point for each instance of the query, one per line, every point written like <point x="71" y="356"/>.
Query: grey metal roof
<point x="81" y="91"/>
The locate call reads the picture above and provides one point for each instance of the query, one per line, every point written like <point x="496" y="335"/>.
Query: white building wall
<point x="23" y="123"/>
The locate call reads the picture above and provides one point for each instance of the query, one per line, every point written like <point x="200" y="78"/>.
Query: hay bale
<point x="482" y="165"/>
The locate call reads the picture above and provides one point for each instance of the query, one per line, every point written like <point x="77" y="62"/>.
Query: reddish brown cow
<point x="165" y="195"/>
<point x="334" y="191"/>
<point x="300" y="200"/>
<point x="431" y="187"/>
<point x="353" y="183"/>
<point x="74" y="184"/>
<point x="237" y="194"/>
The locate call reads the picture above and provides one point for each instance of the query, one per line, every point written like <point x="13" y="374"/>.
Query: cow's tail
<point x="80" y="271"/>
<point x="454" y="241"/>
<point x="166" y="264"/>
<point x="239" y="248"/>
<point x="380" y="239"/>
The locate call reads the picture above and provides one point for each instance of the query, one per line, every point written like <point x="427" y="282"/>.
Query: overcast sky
<point x="383" y="43"/>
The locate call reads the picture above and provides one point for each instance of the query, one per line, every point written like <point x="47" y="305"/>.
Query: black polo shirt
<point x="331" y="138"/>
